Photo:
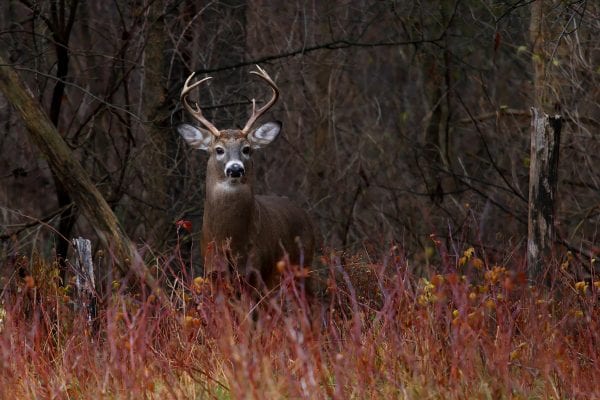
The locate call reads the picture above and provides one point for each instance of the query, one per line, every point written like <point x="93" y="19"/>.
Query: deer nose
<point x="235" y="170"/>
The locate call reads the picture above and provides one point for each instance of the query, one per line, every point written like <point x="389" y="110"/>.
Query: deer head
<point x="205" y="139"/>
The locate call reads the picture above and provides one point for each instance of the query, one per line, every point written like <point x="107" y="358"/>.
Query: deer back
<point x="280" y="228"/>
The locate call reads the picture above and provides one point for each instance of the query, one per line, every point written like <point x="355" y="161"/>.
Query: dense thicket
<point x="401" y="119"/>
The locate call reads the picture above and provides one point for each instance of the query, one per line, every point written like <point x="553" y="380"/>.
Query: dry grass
<point x="473" y="331"/>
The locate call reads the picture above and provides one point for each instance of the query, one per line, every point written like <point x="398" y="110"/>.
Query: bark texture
<point x="543" y="182"/>
<point x="66" y="168"/>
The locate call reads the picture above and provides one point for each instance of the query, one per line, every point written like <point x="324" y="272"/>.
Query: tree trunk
<point x="61" y="28"/>
<point x="155" y="108"/>
<point x="71" y="174"/>
<point x="548" y="52"/>
<point x="537" y="37"/>
<point x="543" y="182"/>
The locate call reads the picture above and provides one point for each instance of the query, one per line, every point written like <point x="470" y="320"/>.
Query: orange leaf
<point x="185" y="224"/>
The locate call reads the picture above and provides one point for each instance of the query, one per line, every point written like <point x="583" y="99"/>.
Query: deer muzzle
<point x="234" y="170"/>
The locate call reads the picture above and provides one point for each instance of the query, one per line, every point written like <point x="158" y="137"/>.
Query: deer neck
<point x="228" y="210"/>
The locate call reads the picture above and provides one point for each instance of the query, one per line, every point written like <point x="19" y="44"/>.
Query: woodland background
<point x="402" y="119"/>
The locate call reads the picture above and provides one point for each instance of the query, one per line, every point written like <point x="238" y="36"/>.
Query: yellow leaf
<point x="469" y="252"/>
<point x="581" y="286"/>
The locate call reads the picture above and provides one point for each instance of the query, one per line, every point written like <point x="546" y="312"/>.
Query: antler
<point x="256" y="114"/>
<point x="195" y="111"/>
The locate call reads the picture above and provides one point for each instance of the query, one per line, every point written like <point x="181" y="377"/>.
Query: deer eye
<point x="246" y="150"/>
<point x="219" y="150"/>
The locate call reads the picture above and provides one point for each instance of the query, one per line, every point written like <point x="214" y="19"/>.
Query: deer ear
<point x="198" y="138"/>
<point x="264" y="134"/>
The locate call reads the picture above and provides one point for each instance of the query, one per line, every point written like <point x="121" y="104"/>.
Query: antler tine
<point x="195" y="111"/>
<point x="256" y="114"/>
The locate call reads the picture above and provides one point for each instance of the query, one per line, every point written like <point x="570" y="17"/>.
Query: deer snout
<point x="234" y="170"/>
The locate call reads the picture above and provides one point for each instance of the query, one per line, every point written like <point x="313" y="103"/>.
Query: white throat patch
<point x="229" y="185"/>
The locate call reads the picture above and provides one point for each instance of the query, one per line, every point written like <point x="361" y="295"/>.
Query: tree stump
<point x="84" y="279"/>
<point x="543" y="183"/>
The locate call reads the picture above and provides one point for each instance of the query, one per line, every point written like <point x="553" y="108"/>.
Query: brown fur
<point x="249" y="233"/>
<point x="242" y="232"/>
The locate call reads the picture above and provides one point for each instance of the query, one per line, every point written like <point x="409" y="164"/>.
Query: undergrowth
<point x="473" y="329"/>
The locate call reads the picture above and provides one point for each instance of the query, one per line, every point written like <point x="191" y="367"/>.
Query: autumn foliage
<point x="471" y="329"/>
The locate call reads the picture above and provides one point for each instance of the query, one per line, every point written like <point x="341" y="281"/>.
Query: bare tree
<point x="401" y="119"/>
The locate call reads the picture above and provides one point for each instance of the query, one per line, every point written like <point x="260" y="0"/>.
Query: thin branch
<point x="82" y="89"/>
<point x="524" y="114"/>
<point x="487" y="150"/>
<point x="332" y="45"/>
<point x="34" y="222"/>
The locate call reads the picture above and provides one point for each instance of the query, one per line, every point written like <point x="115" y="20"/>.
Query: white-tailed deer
<point x="253" y="232"/>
